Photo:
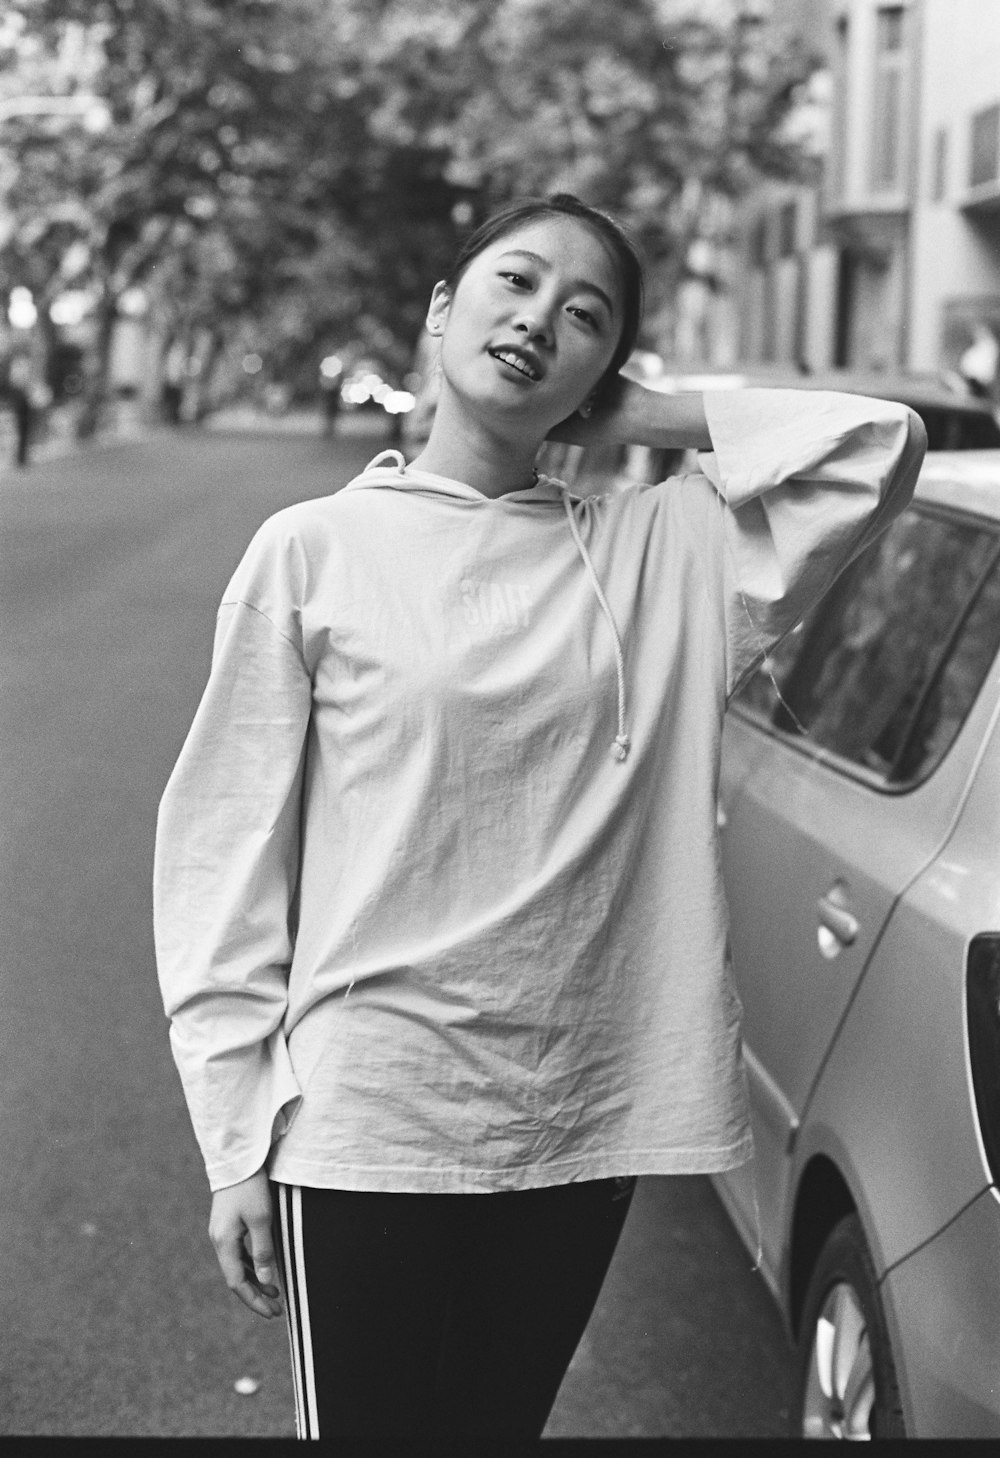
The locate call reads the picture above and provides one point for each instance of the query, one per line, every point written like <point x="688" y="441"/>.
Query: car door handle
<point x="838" y="927"/>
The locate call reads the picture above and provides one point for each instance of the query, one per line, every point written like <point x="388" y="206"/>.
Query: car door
<point x="828" y="809"/>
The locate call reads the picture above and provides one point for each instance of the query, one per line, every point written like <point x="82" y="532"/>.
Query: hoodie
<point x="438" y="902"/>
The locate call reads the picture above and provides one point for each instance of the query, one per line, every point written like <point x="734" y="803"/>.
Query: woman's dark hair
<point x="611" y="233"/>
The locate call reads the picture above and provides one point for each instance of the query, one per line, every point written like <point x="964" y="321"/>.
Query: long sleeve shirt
<point x="420" y="926"/>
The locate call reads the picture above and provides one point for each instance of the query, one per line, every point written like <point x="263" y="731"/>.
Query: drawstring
<point x="397" y="456"/>
<point x="622" y="744"/>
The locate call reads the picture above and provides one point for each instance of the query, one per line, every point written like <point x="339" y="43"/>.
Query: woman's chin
<point x="510" y="411"/>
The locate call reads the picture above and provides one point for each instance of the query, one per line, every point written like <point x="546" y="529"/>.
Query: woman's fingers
<point x="260" y="1240"/>
<point x="238" y="1277"/>
<point x="240" y="1230"/>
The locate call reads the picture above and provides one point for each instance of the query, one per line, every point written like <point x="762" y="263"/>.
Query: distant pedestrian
<point x="439" y="917"/>
<point x="331" y="394"/>
<point x="20" y="393"/>
<point x="980" y="361"/>
<point x="171" y="396"/>
<point x="172" y="384"/>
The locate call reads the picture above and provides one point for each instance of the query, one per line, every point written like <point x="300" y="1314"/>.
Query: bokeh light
<point x="21" y="309"/>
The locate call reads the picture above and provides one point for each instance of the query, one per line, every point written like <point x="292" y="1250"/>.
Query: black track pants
<point x="418" y="1315"/>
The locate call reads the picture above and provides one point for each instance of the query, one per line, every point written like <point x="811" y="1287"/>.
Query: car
<point x="954" y="418"/>
<point x="859" y="815"/>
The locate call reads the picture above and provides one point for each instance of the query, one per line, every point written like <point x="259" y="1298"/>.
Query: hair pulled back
<point x="564" y="205"/>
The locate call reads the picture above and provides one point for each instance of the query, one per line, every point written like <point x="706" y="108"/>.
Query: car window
<point x="948" y="697"/>
<point x="884" y="671"/>
<point x="958" y="430"/>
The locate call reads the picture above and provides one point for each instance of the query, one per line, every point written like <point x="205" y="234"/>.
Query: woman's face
<point x="533" y="323"/>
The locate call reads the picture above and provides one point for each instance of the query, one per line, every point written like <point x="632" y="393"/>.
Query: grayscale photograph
<point x="500" y="721"/>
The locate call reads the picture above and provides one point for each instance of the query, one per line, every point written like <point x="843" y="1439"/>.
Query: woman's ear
<point x="437" y="313"/>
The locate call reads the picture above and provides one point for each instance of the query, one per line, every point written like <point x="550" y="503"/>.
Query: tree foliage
<point x="310" y="164"/>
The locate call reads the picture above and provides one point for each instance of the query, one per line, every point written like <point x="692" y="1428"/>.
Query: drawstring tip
<point x="621" y="747"/>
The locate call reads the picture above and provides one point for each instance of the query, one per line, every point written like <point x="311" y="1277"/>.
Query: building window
<point x="985" y="150"/>
<point x="889" y="99"/>
<point x="939" y="174"/>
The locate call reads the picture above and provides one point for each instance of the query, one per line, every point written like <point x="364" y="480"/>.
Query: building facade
<point x="894" y="259"/>
<point x="955" y="220"/>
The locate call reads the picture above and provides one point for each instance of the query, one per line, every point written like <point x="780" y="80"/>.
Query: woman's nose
<point x="536" y="323"/>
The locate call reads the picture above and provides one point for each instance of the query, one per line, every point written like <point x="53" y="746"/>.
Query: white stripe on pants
<point x="297" y="1311"/>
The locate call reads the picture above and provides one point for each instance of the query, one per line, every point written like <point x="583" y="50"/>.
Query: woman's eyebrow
<point x="578" y="283"/>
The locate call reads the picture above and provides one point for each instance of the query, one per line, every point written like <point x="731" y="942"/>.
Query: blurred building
<point x="893" y="259"/>
<point x="761" y="281"/>
<point x="955" y="224"/>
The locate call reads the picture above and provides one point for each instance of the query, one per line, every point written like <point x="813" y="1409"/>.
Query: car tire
<point x="847" y="1386"/>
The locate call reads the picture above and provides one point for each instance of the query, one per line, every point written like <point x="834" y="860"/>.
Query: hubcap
<point x="840" y="1387"/>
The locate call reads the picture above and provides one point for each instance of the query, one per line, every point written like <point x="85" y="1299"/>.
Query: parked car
<point x="954" y="418"/>
<point x="859" y="814"/>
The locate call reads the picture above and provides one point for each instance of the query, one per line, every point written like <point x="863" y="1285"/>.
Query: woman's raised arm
<point x="633" y="414"/>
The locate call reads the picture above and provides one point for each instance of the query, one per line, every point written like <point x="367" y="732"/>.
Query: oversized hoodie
<point x="438" y="903"/>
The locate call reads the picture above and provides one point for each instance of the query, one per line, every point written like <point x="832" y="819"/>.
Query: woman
<point x="439" y="915"/>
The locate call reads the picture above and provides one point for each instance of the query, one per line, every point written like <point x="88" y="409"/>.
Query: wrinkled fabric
<point x="416" y="927"/>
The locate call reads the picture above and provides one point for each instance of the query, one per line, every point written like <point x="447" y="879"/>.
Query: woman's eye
<point x="585" y="315"/>
<point x="518" y="279"/>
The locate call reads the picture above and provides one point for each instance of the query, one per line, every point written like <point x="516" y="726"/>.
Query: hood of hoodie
<point x="401" y="477"/>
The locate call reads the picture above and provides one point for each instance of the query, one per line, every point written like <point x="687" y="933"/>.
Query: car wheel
<point x="847" y="1385"/>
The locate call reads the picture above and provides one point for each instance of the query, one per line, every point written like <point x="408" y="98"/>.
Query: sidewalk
<point x="351" y="424"/>
<point x="127" y="421"/>
<point x="57" y="438"/>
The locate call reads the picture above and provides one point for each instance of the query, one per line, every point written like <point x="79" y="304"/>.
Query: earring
<point x="586" y="409"/>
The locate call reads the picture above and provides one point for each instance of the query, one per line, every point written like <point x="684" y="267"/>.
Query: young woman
<point x="440" y="924"/>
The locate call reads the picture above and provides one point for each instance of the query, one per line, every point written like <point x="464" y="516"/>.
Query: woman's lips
<point x="515" y="359"/>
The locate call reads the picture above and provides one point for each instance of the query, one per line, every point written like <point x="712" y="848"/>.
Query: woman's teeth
<point x="517" y="363"/>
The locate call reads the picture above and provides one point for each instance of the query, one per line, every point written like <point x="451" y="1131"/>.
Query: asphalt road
<point x="113" y="1317"/>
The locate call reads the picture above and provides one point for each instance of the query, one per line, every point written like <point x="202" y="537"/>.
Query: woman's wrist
<point x="654" y="418"/>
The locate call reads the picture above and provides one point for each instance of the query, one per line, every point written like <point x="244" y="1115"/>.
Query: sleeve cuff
<point x="763" y="437"/>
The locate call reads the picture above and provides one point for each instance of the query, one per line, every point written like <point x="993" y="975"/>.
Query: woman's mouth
<point x="526" y="368"/>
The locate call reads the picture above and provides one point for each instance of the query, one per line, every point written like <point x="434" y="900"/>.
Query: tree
<point x="208" y="108"/>
<point x="638" y="106"/>
<point x="312" y="163"/>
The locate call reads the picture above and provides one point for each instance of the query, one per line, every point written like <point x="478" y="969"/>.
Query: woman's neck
<point x="467" y="449"/>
